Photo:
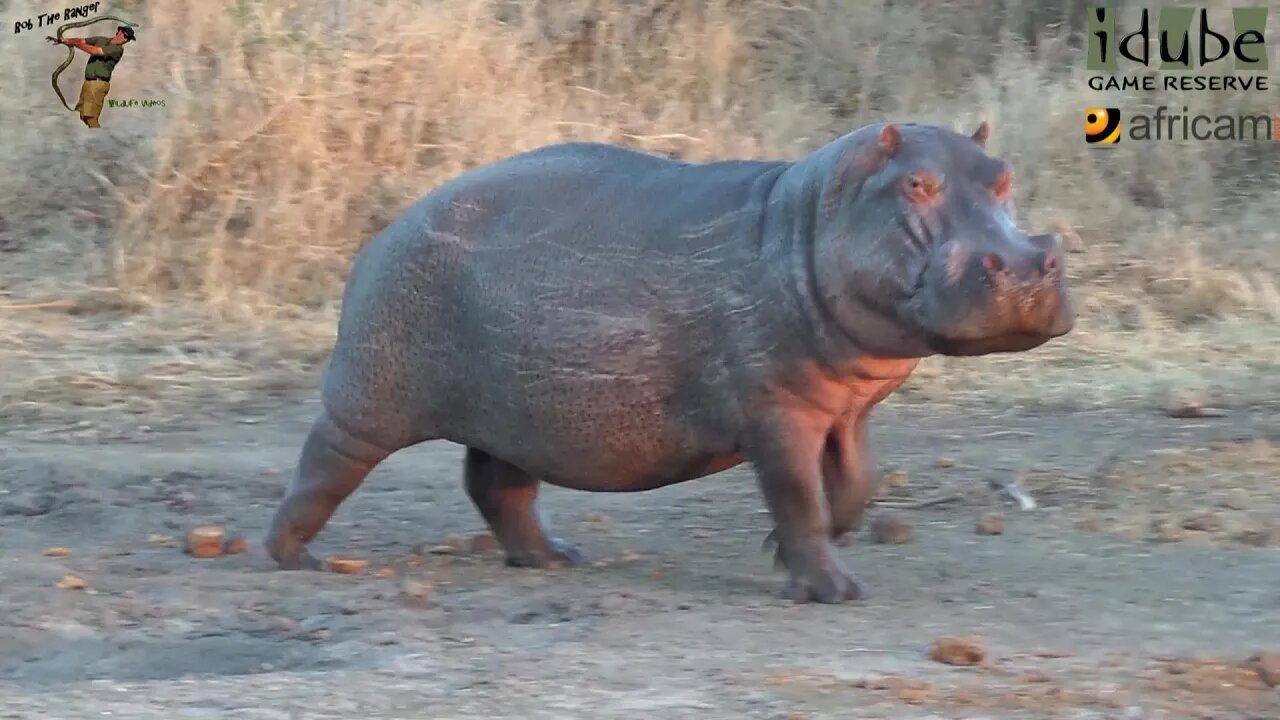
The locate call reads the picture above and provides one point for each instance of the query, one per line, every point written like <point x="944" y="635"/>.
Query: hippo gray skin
<point x="603" y="319"/>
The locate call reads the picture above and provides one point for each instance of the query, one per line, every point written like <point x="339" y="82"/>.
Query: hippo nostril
<point x="992" y="263"/>
<point x="1049" y="263"/>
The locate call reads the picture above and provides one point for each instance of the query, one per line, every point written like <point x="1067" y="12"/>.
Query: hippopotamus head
<point x="916" y="228"/>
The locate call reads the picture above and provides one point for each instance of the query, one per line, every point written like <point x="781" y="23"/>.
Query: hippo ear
<point x="890" y="139"/>
<point x="858" y="162"/>
<point x="981" y="134"/>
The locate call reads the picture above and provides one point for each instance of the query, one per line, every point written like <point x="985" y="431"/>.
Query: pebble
<point x="990" y="524"/>
<point x="1203" y="522"/>
<point x="205" y="542"/>
<point x="72" y="582"/>
<point x="483" y="543"/>
<point x="958" y="651"/>
<point x="891" y="529"/>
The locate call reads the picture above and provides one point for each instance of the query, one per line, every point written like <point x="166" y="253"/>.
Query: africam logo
<point x="1102" y="126"/>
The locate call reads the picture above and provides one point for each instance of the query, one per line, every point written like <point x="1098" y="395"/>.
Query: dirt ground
<point x="1139" y="588"/>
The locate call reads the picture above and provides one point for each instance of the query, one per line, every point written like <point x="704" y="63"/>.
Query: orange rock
<point x="346" y="565"/>
<point x="990" y="524"/>
<point x="958" y="651"/>
<point x="71" y="582"/>
<point x="897" y="479"/>
<point x="57" y="552"/>
<point x="205" y="542"/>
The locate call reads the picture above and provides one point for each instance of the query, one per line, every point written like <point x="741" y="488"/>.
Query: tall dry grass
<point x="294" y="130"/>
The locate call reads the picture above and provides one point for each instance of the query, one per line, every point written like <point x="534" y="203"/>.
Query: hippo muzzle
<point x="993" y="296"/>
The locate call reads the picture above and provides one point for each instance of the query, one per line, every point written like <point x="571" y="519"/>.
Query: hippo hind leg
<point x="332" y="464"/>
<point x="506" y="497"/>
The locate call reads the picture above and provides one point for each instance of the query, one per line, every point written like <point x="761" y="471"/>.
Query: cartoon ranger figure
<point x="104" y="53"/>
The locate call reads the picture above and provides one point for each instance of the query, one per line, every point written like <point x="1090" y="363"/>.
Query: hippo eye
<point x="921" y="187"/>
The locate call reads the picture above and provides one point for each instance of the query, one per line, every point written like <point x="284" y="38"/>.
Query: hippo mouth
<point x="1004" y="343"/>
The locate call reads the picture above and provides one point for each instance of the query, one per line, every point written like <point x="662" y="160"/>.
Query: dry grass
<point x="294" y="130"/>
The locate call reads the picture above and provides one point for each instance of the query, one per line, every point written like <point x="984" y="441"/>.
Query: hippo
<point x="608" y="320"/>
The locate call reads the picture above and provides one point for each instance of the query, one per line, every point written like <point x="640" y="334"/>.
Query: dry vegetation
<point x="198" y="251"/>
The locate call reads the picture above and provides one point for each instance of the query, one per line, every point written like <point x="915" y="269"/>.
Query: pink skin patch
<point x="957" y="259"/>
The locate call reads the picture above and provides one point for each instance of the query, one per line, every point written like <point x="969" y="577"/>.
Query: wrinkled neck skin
<point x="843" y="331"/>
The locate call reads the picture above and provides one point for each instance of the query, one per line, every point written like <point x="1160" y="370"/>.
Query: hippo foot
<point x="817" y="576"/>
<point x="296" y="558"/>
<point x="558" y="552"/>
<point x="824" y="585"/>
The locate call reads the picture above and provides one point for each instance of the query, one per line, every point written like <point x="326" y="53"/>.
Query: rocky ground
<point x="1140" y="587"/>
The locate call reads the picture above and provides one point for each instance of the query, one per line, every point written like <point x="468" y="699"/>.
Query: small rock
<point x="205" y="542"/>
<point x="958" y="651"/>
<point x="457" y="542"/>
<point x="162" y="540"/>
<point x="891" y="529"/>
<point x="990" y="524"/>
<point x="417" y="592"/>
<point x="57" y="552"/>
<point x="386" y="572"/>
<point x="945" y="462"/>
<point x="896" y="479"/>
<point x="1166" y="532"/>
<point x="1089" y="524"/>
<point x="1235" y="500"/>
<point x="1190" y="406"/>
<point x="483" y="543"/>
<point x="71" y="582"/>
<point x="1256" y="537"/>
<point x="283" y="623"/>
<point x="595" y="517"/>
<point x="914" y="694"/>
<point x="1267" y="665"/>
<point x="346" y="565"/>
<point x="440" y="550"/>
<point x="1203" y="522"/>
<point x="235" y="546"/>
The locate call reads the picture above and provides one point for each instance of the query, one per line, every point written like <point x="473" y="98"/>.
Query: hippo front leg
<point x="787" y="455"/>
<point x="848" y="475"/>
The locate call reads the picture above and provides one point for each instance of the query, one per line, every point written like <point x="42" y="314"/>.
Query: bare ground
<point x="1098" y="604"/>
